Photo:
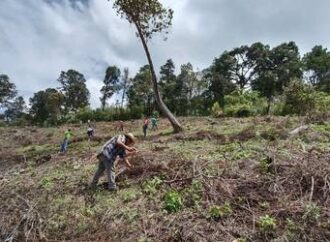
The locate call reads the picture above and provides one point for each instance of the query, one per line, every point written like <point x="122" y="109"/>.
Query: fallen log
<point x="299" y="130"/>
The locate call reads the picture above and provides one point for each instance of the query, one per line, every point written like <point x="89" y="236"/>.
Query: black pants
<point x="145" y="127"/>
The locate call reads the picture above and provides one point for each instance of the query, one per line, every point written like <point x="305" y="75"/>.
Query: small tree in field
<point x="149" y="17"/>
<point x="7" y="90"/>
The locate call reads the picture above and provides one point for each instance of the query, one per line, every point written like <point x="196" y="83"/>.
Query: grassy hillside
<point x="221" y="180"/>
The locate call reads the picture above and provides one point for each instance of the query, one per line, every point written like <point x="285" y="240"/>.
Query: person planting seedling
<point x="121" y="146"/>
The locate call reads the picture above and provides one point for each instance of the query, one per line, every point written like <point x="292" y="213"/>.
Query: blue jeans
<point x="64" y="145"/>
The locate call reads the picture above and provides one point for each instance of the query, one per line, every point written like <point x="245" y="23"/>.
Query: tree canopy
<point x="111" y="84"/>
<point x="149" y="16"/>
<point x="317" y="63"/>
<point x="47" y="106"/>
<point x="7" y="89"/>
<point x="247" y="80"/>
<point x="74" y="90"/>
<point x="16" y="108"/>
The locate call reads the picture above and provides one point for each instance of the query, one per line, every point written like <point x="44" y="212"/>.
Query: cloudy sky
<point x="40" y="38"/>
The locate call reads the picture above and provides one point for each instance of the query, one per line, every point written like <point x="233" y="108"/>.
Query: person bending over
<point x="121" y="146"/>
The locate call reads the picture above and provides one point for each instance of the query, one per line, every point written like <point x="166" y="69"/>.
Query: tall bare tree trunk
<point x="161" y="105"/>
<point x="103" y="102"/>
<point x="125" y="85"/>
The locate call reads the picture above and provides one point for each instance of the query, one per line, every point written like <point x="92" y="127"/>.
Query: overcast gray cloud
<point x="39" y="38"/>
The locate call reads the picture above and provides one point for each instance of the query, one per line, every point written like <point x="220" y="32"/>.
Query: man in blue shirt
<point x="117" y="146"/>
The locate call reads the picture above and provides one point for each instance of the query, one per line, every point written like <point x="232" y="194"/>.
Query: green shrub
<point x="299" y="98"/>
<point x="271" y="134"/>
<point x="46" y="183"/>
<point x="107" y="114"/>
<point x="241" y="240"/>
<point x="217" y="212"/>
<point x="264" y="165"/>
<point x="244" y="104"/>
<point x="151" y="186"/>
<point x="84" y="114"/>
<point x="267" y="223"/>
<point x="264" y="205"/>
<point x="155" y="114"/>
<point x="173" y="201"/>
<point x="193" y="194"/>
<point x="312" y="212"/>
<point x="216" y="110"/>
<point x="22" y="121"/>
<point x="291" y="230"/>
<point x="136" y="112"/>
<point x="130" y="214"/>
<point x="322" y="100"/>
<point x="290" y="225"/>
<point x="104" y="115"/>
<point x="278" y="106"/>
<point x="241" y="110"/>
<point x="128" y="195"/>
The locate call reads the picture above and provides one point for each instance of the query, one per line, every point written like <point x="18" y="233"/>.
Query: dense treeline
<point x="248" y="80"/>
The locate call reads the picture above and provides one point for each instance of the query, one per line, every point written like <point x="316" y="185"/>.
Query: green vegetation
<point x="216" y="110"/>
<point x="151" y="186"/>
<point x="267" y="223"/>
<point x="47" y="183"/>
<point x="291" y="225"/>
<point x="244" y="104"/>
<point x="183" y="183"/>
<point x="235" y="166"/>
<point x="193" y="194"/>
<point x="173" y="201"/>
<point x="264" y="205"/>
<point x="312" y="212"/>
<point x="130" y="214"/>
<point x="264" y="165"/>
<point x="129" y="195"/>
<point x="241" y="240"/>
<point x="276" y="77"/>
<point x="217" y="212"/>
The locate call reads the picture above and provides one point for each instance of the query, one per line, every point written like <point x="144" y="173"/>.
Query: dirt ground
<point x="221" y="180"/>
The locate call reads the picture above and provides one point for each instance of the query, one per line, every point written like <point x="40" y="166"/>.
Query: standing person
<point x="67" y="136"/>
<point x="120" y="126"/>
<point x="93" y="126"/>
<point x="145" y="126"/>
<point x="154" y="123"/>
<point x="90" y="130"/>
<point x="121" y="146"/>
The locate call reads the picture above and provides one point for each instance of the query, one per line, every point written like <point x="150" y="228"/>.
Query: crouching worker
<point x="121" y="146"/>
